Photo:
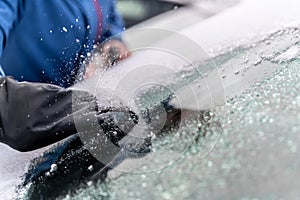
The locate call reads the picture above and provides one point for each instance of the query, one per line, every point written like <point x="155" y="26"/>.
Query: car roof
<point x="212" y="31"/>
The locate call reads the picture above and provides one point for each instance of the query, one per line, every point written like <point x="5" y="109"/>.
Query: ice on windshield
<point x="245" y="149"/>
<point x="254" y="138"/>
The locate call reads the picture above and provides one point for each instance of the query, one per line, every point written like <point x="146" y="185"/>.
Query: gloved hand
<point x="34" y="115"/>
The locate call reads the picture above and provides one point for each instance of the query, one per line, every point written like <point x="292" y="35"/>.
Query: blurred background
<point x="137" y="11"/>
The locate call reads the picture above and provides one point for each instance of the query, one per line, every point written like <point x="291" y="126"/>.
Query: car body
<point x="250" y="147"/>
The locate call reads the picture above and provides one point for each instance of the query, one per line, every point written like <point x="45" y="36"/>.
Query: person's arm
<point x="115" y="22"/>
<point x="112" y="49"/>
<point x="113" y="34"/>
<point x="34" y="115"/>
<point x="10" y="11"/>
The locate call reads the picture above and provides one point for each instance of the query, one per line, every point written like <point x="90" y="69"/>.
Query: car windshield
<point x="248" y="149"/>
<point x="245" y="149"/>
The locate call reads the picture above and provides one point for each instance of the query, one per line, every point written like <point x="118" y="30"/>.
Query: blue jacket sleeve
<point x="115" y="21"/>
<point x="9" y="13"/>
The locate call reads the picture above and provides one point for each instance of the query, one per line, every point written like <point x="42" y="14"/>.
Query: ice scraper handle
<point x="34" y="115"/>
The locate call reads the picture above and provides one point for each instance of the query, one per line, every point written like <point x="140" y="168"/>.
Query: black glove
<point x="34" y="115"/>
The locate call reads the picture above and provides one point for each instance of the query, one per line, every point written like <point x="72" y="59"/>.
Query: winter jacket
<point x="46" y="40"/>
